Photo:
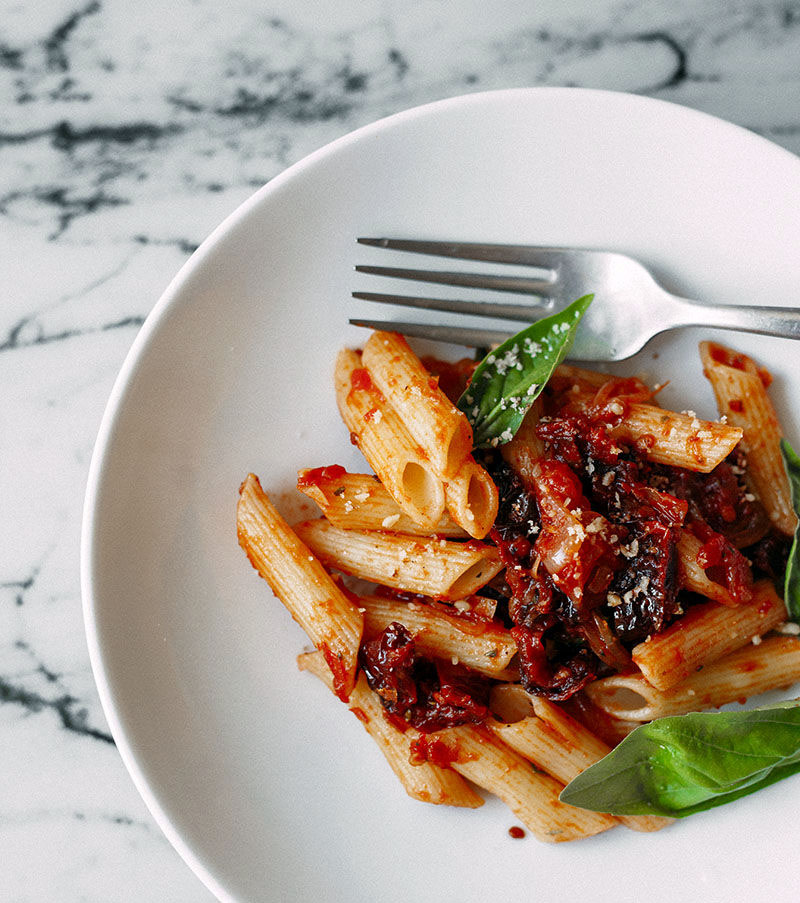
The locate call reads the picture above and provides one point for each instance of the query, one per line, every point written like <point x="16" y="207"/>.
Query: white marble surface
<point x="127" y="132"/>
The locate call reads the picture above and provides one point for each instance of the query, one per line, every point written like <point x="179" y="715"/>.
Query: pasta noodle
<point x="707" y="633"/>
<point x="531" y="796"/>
<point x="555" y="742"/>
<point x="359" y="501"/>
<point x="471" y="499"/>
<point x="330" y="619"/>
<point x="428" y="414"/>
<point x="694" y="577"/>
<point x="434" y="567"/>
<point x="385" y="443"/>
<point x="773" y="663"/>
<point x="483" y="646"/>
<point x="742" y="397"/>
<point x="425" y="781"/>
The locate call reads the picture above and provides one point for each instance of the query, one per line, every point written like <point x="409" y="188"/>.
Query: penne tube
<point x="437" y="425"/>
<point x="680" y="440"/>
<point x="359" y="501"/>
<point x="441" y="568"/>
<point x="472" y="498"/>
<point x="706" y="633"/>
<point x="333" y="623"/>
<point x="541" y="732"/>
<point x="531" y="795"/>
<point x="773" y="663"/>
<point x="693" y="577"/>
<point x="667" y="437"/>
<point x="483" y="646"/>
<point x="742" y="397"/>
<point x="553" y="741"/>
<point x="386" y="444"/>
<point x="426" y="782"/>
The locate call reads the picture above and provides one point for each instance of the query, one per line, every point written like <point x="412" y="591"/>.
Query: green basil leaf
<point x="791" y="585"/>
<point x="684" y="764"/>
<point x="508" y="380"/>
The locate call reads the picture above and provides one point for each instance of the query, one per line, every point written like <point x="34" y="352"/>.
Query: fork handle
<point x="783" y="322"/>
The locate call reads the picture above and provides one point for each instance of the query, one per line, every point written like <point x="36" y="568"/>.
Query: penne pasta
<point x="472" y="499"/>
<point x="552" y="740"/>
<point x="430" y="417"/>
<point x="543" y="733"/>
<point x="333" y="623"/>
<point x="483" y="646"/>
<point x="426" y="781"/>
<point x="531" y="795"/>
<point x="386" y="444"/>
<point x="359" y="501"/>
<point x="441" y="568"/>
<point x="742" y="397"/>
<point x="773" y="663"/>
<point x="694" y="577"/>
<point x="680" y="440"/>
<point x="662" y="436"/>
<point x="707" y="633"/>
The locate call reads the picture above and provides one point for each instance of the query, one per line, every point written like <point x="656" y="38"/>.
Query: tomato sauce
<point x="320" y="476"/>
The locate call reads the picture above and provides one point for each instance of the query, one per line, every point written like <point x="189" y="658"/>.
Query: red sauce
<point x="338" y="671"/>
<point x="360" y="714"/>
<point x="428" y="695"/>
<point x="516" y="832"/>
<point x="727" y="357"/>
<point x="319" y="476"/>
<point x="747" y="667"/>
<point x="736" y="405"/>
<point x="436" y="750"/>
<point x="360" y="379"/>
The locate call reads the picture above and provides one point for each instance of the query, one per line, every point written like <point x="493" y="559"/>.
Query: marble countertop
<point x="127" y="132"/>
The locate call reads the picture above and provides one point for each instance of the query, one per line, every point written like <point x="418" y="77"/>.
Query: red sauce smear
<point x="338" y="671"/>
<point x="360" y="379"/>
<point x="433" y="749"/>
<point x="318" y="476"/>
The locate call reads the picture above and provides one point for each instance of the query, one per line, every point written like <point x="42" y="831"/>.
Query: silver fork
<point x="629" y="307"/>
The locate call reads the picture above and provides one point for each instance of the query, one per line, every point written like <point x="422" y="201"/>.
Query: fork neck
<point x="774" y="321"/>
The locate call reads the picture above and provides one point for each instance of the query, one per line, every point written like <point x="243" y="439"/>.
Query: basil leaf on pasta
<point x="683" y="764"/>
<point x="508" y="380"/>
<point x="791" y="586"/>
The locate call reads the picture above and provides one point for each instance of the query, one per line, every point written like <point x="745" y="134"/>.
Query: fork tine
<point x="523" y="285"/>
<point x="521" y="312"/>
<point x="457" y="335"/>
<point x="541" y="257"/>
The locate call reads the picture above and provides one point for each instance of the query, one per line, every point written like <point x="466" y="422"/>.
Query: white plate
<point x="267" y="787"/>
